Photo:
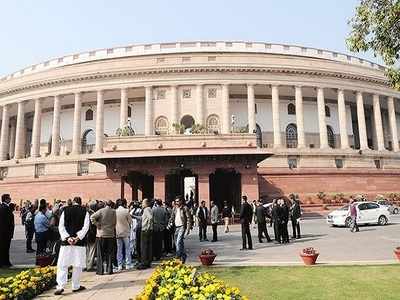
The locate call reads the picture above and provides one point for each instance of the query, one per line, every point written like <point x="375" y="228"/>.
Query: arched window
<point x="89" y="115"/>
<point x="213" y="124"/>
<point x="327" y="111"/>
<point x="161" y="126"/>
<point x="291" y="136"/>
<point x="129" y="111"/>
<point x="88" y="141"/>
<point x="291" y="109"/>
<point x="331" y="136"/>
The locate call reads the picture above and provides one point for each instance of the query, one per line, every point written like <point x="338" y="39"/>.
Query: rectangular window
<point x="83" y="168"/>
<point x="212" y="58"/>
<point x="39" y="170"/>
<point x="186" y="59"/>
<point x="3" y="172"/>
<point x="339" y="163"/>
<point x="378" y="163"/>
<point x="160" y="59"/>
<point x="212" y="93"/>
<point x="186" y="93"/>
<point x="292" y="162"/>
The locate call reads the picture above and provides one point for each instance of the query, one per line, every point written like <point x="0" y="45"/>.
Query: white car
<point x="367" y="213"/>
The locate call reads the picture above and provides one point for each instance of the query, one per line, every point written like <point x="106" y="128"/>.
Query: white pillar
<point x="76" y="134"/>
<point x="200" y="104"/>
<point x="251" y="110"/>
<point x="393" y="124"/>
<point x="301" y="143"/>
<point x="275" y="116"/>
<point x="99" y="122"/>
<point x="225" y="110"/>
<point x="55" y="133"/>
<point x="323" y="135"/>
<point x="37" y="128"/>
<point x="123" y="116"/>
<point x="378" y="123"/>
<point x="344" y="139"/>
<point x="19" y="151"/>
<point x="148" y="111"/>
<point x="174" y="105"/>
<point x="5" y="123"/>
<point x="362" y="129"/>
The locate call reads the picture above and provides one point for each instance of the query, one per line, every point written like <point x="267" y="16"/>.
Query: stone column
<point x="123" y="116"/>
<point x="344" y="139"/>
<point x="148" y="111"/>
<point x="251" y="110"/>
<point x="5" y="123"/>
<point x="55" y="133"/>
<point x="393" y="124"/>
<point x="301" y="142"/>
<point x="99" y="122"/>
<point x="225" y="110"/>
<point x="378" y="123"/>
<point x="200" y="104"/>
<point x="204" y="187"/>
<point x="76" y="135"/>
<point x="174" y="105"/>
<point x="12" y="137"/>
<point x="362" y="129"/>
<point x="159" y="185"/>
<point x="20" y="132"/>
<point x="276" y="124"/>
<point x="323" y="135"/>
<point x="37" y="129"/>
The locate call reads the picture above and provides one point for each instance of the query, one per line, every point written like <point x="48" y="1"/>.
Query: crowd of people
<point x="107" y="236"/>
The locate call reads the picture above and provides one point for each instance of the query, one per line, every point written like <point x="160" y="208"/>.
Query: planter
<point x="207" y="260"/>
<point x="397" y="252"/>
<point x="309" y="259"/>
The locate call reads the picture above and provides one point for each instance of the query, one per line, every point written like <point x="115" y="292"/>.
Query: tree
<point x="376" y="27"/>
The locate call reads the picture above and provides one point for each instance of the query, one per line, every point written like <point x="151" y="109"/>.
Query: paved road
<point x="336" y="245"/>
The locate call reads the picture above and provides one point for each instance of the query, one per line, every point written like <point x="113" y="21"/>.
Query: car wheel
<point x="382" y="220"/>
<point x="396" y="211"/>
<point x="347" y="223"/>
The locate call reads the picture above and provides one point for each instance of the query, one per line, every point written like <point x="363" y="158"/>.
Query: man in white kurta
<point x="73" y="227"/>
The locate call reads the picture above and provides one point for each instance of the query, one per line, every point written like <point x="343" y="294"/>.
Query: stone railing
<point x="190" y="47"/>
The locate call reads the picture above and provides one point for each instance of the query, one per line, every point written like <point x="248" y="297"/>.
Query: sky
<point x="33" y="31"/>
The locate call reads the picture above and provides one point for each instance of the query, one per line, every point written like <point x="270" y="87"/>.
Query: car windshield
<point x="346" y="207"/>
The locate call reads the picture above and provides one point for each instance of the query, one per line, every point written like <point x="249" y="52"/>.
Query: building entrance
<point x="225" y="185"/>
<point x="142" y="185"/>
<point x="181" y="183"/>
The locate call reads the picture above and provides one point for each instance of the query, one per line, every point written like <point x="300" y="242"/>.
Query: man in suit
<point x="160" y="222"/>
<point x="295" y="214"/>
<point x="202" y="216"/>
<point x="246" y="215"/>
<point x="214" y="220"/>
<point x="261" y="214"/>
<point x="6" y="230"/>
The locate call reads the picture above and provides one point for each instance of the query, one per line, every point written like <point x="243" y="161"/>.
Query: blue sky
<point x="34" y="31"/>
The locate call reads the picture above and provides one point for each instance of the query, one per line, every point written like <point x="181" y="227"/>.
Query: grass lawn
<point x="9" y="272"/>
<point x="319" y="282"/>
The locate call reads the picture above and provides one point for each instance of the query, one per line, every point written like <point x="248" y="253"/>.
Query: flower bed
<point x="27" y="284"/>
<point x="174" y="280"/>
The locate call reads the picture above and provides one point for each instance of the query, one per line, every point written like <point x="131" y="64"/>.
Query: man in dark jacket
<point x="6" y="230"/>
<point x="295" y="214"/>
<point x="261" y="214"/>
<point x="274" y="216"/>
<point x="160" y="222"/>
<point x="202" y="217"/>
<point x="246" y="215"/>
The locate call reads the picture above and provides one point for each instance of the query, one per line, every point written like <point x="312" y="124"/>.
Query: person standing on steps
<point x="246" y="215"/>
<point x="214" y="218"/>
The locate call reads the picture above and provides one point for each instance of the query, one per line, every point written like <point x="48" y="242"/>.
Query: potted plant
<point x="397" y="252"/>
<point x="207" y="257"/>
<point x="309" y="256"/>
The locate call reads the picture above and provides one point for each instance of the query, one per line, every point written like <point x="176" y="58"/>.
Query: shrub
<point x="322" y="197"/>
<point x="27" y="284"/>
<point x="309" y="251"/>
<point x="174" y="280"/>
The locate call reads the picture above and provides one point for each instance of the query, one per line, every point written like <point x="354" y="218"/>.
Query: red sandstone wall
<point x="87" y="187"/>
<point x="308" y="185"/>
